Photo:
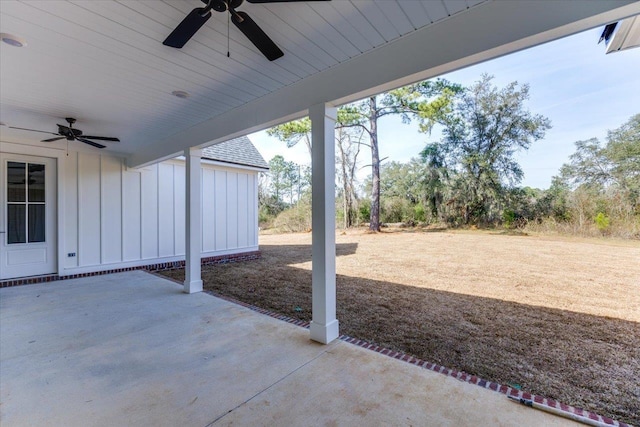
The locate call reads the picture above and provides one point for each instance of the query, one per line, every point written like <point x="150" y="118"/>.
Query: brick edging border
<point x="163" y="266"/>
<point x="459" y="375"/>
<point x="473" y="379"/>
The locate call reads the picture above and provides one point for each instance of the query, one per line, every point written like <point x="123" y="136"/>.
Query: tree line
<point x="469" y="176"/>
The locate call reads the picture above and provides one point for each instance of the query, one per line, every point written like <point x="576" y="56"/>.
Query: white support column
<point x="193" y="231"/>
<point x="324" y="325"/>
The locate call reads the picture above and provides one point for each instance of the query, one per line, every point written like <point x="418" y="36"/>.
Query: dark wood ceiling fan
<point x="198" y="16"/>
<point x="71" y="134"/>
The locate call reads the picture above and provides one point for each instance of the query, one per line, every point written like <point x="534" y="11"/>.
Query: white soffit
<point x="627" y="36"/>
<point x="103" y="62"/>
<point x="488" y="30"/>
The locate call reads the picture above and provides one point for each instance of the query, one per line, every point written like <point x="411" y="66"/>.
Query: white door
<point x="27" y="216"/>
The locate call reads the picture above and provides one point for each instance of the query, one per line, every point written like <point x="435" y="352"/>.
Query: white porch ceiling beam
<point x="489" y="30"/>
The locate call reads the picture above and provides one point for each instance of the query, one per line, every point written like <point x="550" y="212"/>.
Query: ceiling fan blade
<point x="187" y="28"/>
<point x="53" y="139"/>
<point x="32" y="130"/>
<point x="255" y="34"/>
<point x="101" y="138"/>
<point x="95" y="144"/>
<point x="280" y="1"/>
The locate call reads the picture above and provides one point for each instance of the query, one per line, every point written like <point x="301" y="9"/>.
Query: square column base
<point x="192" y="287"/>
<point x="324" y="333"/>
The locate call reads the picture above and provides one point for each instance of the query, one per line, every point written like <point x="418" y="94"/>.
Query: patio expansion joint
<point x="269" y="386"/>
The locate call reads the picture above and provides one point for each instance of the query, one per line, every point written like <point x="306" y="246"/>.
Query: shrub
<point x="294" y="219"/>
<point x="420" y="214"/>
<point x="393" y="209"/>
<point x="364" y="211"/>
<point x="265" y="218"/>
<point x="508" y="218"/>
<point x="602" y="222"/>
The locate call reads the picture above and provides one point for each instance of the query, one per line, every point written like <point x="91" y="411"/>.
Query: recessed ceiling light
<point x="12" y="40"/>
<point x="180" y="94"/>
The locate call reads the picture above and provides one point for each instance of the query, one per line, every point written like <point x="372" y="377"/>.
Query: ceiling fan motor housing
<point x="222" y="5"/>
<point x="69" y="132"/>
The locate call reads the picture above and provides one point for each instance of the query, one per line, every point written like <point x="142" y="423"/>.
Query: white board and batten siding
<point x="116" y="217"/>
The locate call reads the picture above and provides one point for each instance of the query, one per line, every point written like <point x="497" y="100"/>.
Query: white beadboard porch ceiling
<point x="103" y="62"/>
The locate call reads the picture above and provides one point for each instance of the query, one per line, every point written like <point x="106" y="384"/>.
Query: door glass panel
<point x="36" y="183"/>
<point x="16" y="227"/>
<point x="36" y="223"/>
<point x="16" y="182"/>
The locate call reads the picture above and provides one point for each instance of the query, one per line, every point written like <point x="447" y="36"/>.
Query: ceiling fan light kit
<point x="198" y="16"/>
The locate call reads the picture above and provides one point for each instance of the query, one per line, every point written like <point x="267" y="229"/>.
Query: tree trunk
<point x="299" y="184"/>
<point x="347" y="198"/>
<point x="353" y="195"/>
<point x="345" y="181"/>
<point x="374" y="222"/>
<point x="347" y="205"/>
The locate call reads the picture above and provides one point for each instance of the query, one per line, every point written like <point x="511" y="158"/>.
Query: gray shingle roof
<point x="239" y="151"/>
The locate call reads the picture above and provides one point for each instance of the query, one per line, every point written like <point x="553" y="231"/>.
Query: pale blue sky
<point x="580" y="89"/>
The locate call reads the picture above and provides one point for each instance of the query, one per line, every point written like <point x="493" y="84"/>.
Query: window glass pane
<point x="36" y="183"/>
<point x="15" y="182"/>
<point x="36" y="223"/>
<point x="16" y="229"/>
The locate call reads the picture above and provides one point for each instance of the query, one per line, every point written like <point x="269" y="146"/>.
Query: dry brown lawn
<point x="559" y="317"/>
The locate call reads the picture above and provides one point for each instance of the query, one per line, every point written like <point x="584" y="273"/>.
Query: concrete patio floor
<point x="132" y="349"/>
